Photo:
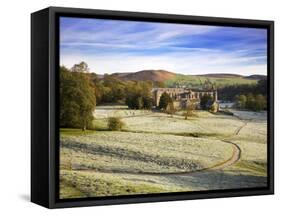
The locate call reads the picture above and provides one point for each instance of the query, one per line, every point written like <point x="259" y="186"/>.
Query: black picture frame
<point x="45" y="101"/>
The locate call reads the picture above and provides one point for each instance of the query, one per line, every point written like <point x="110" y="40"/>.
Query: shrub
<point x="115" y="124"/>
<point x="214" y="108"/>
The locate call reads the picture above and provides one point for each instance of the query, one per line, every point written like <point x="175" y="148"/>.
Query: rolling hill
<point x="153" y="75"/>
<point x="172" y="79"/>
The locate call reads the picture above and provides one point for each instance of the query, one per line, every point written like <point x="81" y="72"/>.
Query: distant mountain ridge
<point x="164" y="75"/>
<point x="171" y="79"/>
<point x="221" y="75"/>
<point x="256" y="77"/>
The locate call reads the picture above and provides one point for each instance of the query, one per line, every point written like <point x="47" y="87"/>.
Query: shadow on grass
<point x="185" y="134"/>
<point x="218" y="179"/>
<point x="123" y="153"/>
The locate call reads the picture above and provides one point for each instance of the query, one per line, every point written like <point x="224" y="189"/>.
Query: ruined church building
<point x="182" y="96"/>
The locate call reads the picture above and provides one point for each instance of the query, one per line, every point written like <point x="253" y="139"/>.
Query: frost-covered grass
<point x="248" y="115"/>
<point x="143" y="153"/>
<point x="223" y="125"/>
<point x="94" y="184"/>
<point x="102" y="112"/>
<point x="154" y="142"/>
<point x="252" y="139"/>
<point x="75" y="132"/>
<point x="254" y="132"/>
<point x="157" y="122"/>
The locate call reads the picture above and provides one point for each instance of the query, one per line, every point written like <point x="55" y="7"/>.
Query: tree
<point x="139" y="102"/>
<point x="229" y="92"/>
<point x="170" y="109"/>
<point x="165" y="99"/>
<point x="116" y="89"/>
<point x="159" y="84"/>
<point x="138" y="95"/>
<point x="82" y="67"/>
<point x="250" y="104"/>
<point x="262" y="87"/>
<point x="206" y="101"/>
<point x="77" y="100"/>
<point x="208" y="84"/>
<point x="190" y="110"/>
<point x="147" y="102"/>
<point x="241" y="101"/>
<point x="260" y="102"/>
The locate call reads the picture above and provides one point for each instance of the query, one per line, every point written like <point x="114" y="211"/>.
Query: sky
<point x="110" y="46"/>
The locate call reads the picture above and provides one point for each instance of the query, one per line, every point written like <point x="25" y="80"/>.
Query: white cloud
<point x="185" y="63"/>
<point x="123" y="46"/>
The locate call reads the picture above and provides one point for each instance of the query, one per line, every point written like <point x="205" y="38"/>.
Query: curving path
<point x="233" y="159"/>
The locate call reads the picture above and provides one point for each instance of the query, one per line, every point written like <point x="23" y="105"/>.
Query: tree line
<point x="228" y="93"/>
<point x="111" y="89"/>
<point x="81" y="91"/>
<point x="251" y="97"/>
<point x="251" y="102"/>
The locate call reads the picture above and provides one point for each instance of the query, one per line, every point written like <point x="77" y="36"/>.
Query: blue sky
<point x="110" y="46"/>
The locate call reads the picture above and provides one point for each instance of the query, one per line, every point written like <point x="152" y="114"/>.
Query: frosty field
<point x="156" y="152"/>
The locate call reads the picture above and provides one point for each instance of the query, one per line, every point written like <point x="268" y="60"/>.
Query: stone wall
<point x="181" y="95"/>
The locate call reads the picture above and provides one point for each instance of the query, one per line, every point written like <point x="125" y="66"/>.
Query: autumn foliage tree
<point x="82" y="67"/>
<point x="77" y="99"/>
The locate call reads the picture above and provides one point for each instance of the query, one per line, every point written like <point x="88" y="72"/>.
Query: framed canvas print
<point x="138" y="107"/>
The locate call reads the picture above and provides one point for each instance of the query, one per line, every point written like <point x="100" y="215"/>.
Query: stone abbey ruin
<point x="182" y="96"/>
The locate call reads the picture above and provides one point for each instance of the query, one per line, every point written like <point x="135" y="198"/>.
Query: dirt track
<point x="233" y="159"/>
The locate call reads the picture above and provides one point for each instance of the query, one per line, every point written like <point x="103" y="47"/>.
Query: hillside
<point x="220" y="75"/>
<point x="172" y="79"/>
<point x="220" y="80"/>
<point x="256" y="77"/>
<point x="153" y="75"/>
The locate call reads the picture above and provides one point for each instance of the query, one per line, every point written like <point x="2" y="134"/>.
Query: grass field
<point x="196" y="81"/>
<point x="156" y="152"/>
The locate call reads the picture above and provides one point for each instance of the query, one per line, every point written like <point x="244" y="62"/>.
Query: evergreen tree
<point x="165" y="99"/>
